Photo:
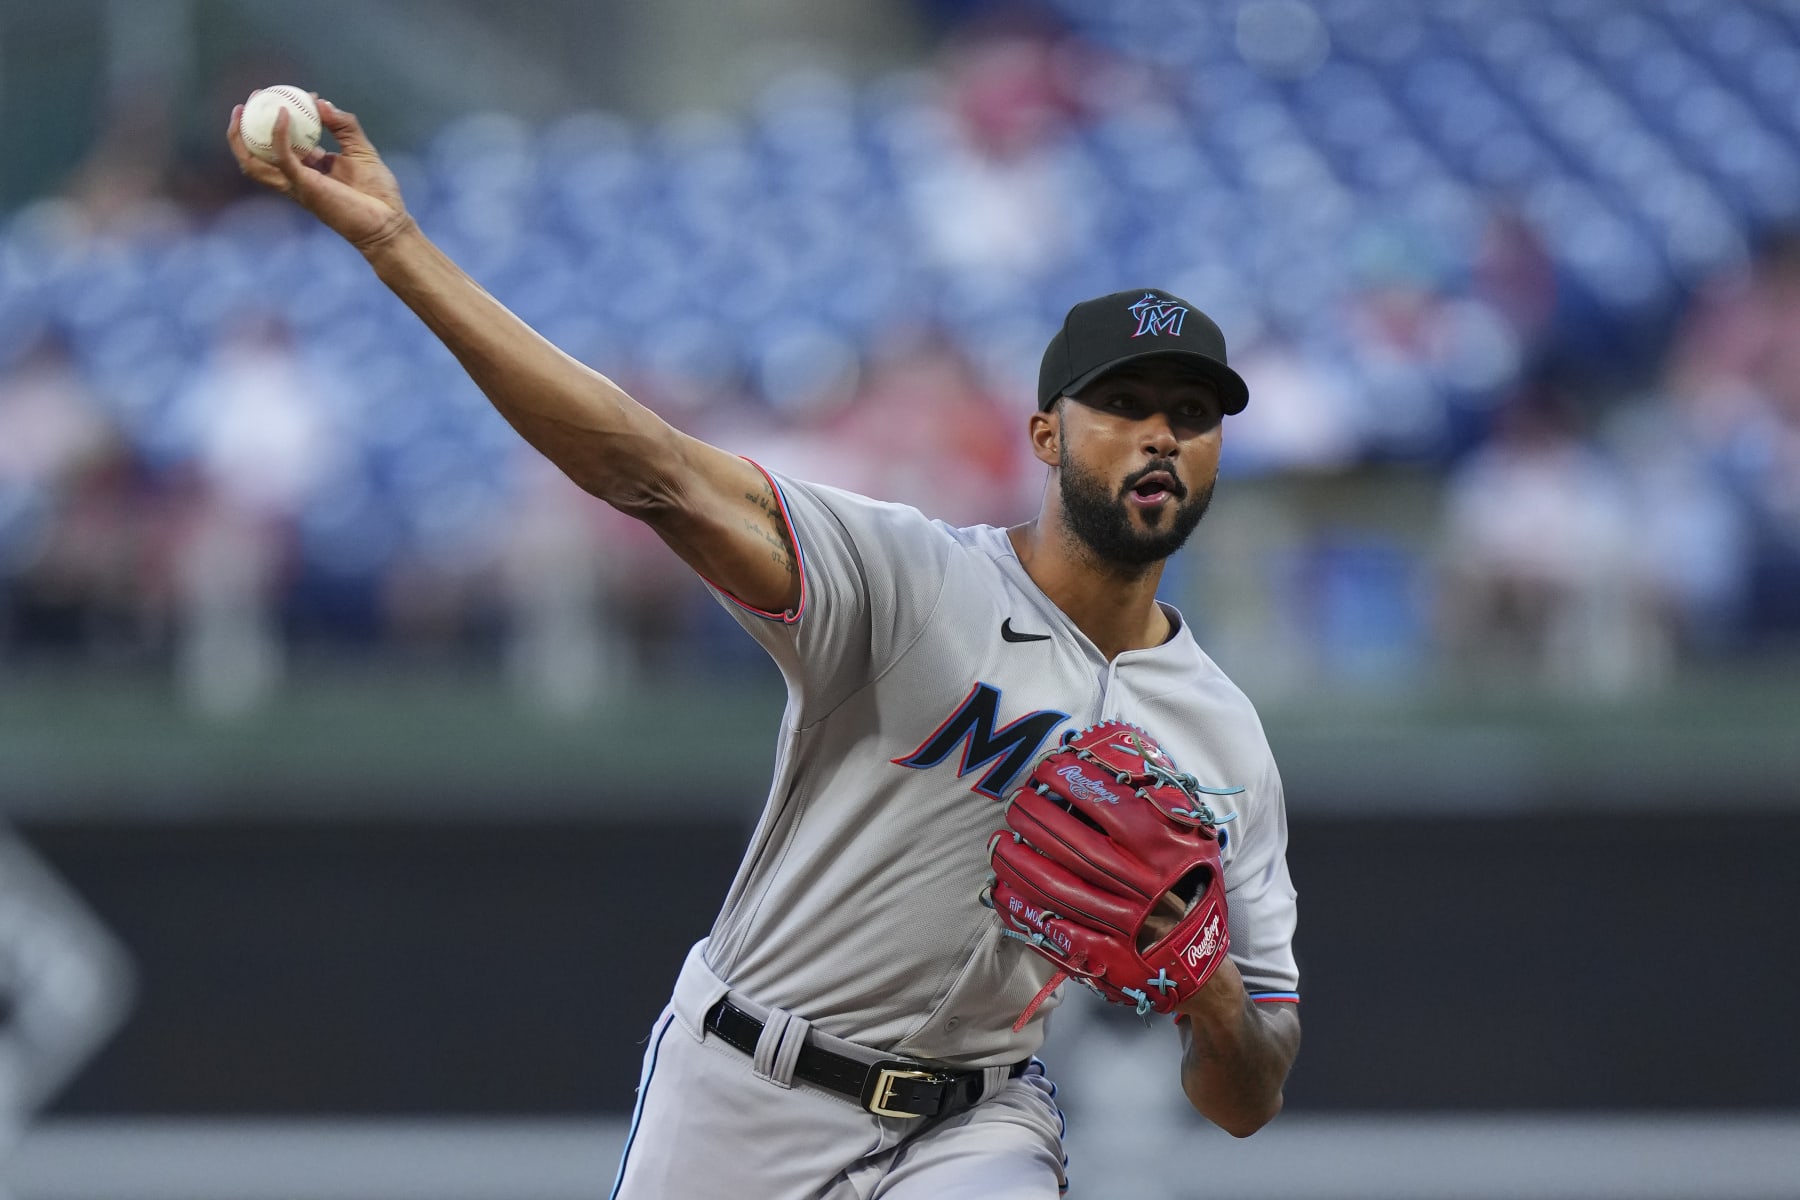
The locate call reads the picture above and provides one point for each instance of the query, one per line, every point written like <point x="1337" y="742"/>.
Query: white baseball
<point x="257" y="125"/>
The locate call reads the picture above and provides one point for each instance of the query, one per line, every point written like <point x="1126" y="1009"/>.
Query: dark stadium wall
<point x="513" y="968"/>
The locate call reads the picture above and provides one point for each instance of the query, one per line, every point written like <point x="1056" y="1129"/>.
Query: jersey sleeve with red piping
<point x="871" y="573"/>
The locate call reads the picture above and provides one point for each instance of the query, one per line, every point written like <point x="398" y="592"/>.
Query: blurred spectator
<point x="50" y="422"/>
<point x="922" y="430"/>
<point x="71" y="539"/>
<point x="1435" y="360"/>
<point x="566" y="646"/>
<point x="1514" y="275"/>
<point x="1734" y="379"/>
<point x="987" y="178"/>
<point x="259" y="420"/>
<point x="262" y="440"/>
<point x="1694" y="535"/>
<point x="229" y="653"/>
<point x="1542" y="575"/>
<point x="1303" y="417"/>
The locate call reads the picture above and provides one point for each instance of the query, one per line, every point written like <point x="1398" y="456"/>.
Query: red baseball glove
<point x="1109" y="868"/>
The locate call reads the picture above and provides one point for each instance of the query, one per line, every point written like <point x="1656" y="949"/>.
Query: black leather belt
<point x="891" y="1088"/>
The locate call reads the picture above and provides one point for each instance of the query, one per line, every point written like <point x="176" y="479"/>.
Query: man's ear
<point x="1046" y="434"/>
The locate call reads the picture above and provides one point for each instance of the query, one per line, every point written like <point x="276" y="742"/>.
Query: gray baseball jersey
<point x="925" y="673"/>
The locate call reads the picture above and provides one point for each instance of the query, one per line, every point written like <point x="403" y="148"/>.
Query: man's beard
<point x="1102" y="519"/>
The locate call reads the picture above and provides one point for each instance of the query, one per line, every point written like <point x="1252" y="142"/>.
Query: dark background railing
<point x="1450" y="963"/>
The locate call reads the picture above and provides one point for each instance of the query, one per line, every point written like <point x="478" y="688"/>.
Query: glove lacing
<point x="1031" y="937"/>
<point x="1161" y="776"/>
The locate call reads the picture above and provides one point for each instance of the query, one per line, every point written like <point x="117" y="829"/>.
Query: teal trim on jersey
<point x="1275" y="997"/>
<point x="637" y="1110"/>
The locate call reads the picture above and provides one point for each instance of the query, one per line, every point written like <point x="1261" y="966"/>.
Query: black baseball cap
<point x="1111" y="331"/>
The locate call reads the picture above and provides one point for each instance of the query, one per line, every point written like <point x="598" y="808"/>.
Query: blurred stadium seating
<point x="1406" y="219"/>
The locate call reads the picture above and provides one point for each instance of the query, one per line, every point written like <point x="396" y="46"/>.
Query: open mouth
<point x="1154" y="488"/>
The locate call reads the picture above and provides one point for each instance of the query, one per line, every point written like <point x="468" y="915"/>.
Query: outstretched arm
<point x="715" y="510"/>
<point x="1235" y="1053"/>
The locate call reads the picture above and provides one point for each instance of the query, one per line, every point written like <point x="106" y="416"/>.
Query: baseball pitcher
<point x="1003" y="765"/>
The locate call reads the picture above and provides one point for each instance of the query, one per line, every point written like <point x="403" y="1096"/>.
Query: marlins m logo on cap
<point x="1158" y="314"/>
<point x="1105" y="333"/>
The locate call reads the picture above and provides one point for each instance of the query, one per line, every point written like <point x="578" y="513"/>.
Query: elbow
<point x="645" y="498"/>
<point x="1243" y="1121"/>
<point x="1243" y="1128"/>
<point x="640" y="480"/>
<point x="636" y="468"/>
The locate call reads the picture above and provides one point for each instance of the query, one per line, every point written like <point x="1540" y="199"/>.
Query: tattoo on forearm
<point x="771" y="529"/>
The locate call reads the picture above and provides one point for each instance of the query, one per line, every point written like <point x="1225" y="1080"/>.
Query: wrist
<point x="384" y="242"/>
<point x="1220" y="999"/>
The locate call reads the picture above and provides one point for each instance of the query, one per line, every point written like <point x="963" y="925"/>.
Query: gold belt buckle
<point x="883" y="1090"/>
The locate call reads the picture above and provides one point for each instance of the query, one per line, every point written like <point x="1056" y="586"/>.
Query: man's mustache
<point x="1176" y="488"/>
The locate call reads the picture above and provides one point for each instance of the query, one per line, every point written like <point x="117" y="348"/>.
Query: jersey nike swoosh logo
<point x="1009" y="634"/>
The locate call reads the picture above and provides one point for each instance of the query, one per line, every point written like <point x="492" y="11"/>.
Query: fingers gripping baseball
<point x="351" y="191"/>
<point x="346" y="129"/>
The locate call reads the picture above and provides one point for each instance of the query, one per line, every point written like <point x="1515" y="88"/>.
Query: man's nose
<point x="1159" y="436"/>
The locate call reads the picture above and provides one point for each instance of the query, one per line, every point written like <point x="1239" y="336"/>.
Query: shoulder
<point x="1218" y="723"/>
<point x="1206" y="681"/>
<point x="842" y="501"/>
<point x="1230" y="699"/>
<point x="862" y="515"/>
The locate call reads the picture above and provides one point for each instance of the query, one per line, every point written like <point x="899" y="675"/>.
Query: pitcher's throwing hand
<point x="351" y="191"/>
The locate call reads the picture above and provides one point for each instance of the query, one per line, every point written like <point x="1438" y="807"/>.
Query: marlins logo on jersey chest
<point x="974" y="726"/>
<point x="998" y="744"/>
<point x="1000" y="725"/>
